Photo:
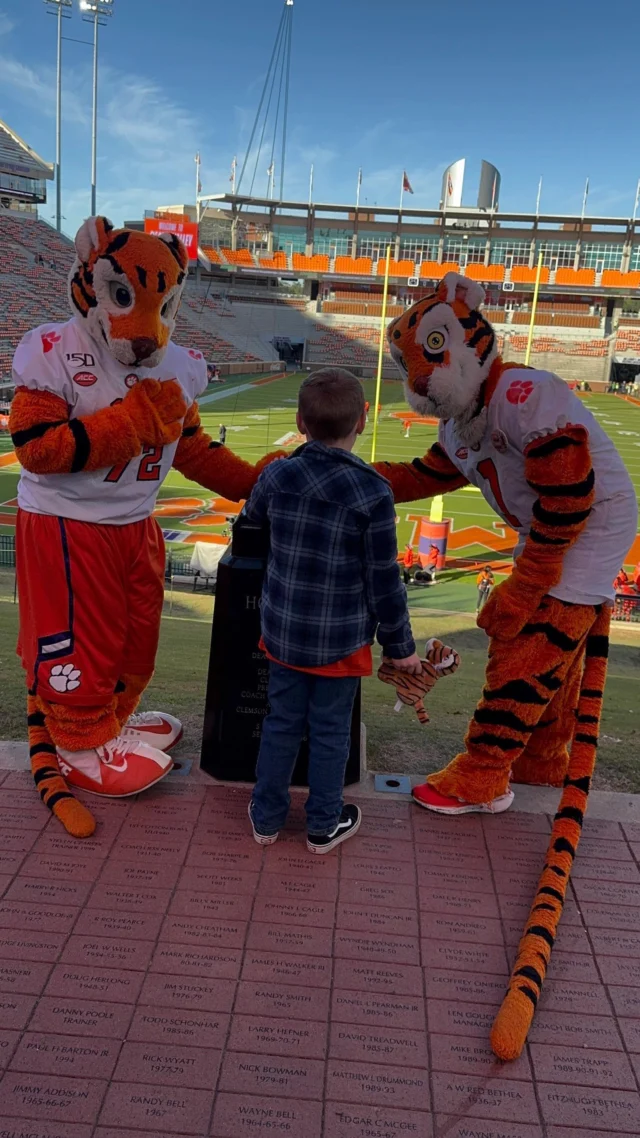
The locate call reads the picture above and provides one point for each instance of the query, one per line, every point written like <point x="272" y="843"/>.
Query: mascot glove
<point x="156" y="410"/>
<point x="510" y="606"/>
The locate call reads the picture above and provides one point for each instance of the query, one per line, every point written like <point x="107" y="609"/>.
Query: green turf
<point x="255" y="420"/>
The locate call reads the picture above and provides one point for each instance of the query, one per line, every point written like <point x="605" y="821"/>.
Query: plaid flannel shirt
<point x="332" y="578"/>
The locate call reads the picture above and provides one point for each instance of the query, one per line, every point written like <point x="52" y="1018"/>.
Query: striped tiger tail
<point x="512" y="1023"/>
<point x="53" y="790"/>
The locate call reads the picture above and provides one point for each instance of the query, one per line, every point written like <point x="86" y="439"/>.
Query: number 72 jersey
<point x="63" y="360"/>
<point x="526" y="405"/>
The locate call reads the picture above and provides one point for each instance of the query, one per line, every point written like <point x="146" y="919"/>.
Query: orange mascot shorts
<point x="90" y="604"/>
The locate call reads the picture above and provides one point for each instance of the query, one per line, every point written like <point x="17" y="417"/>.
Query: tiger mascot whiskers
<point x="545" y="465"/>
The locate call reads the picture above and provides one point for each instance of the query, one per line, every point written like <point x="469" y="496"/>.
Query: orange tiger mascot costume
<point x="548" y="469"/>
<point x="105" y="406"/>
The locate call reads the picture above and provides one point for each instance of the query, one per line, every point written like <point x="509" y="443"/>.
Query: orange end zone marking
<point x="8" y="459"/>
<point x="8" y="520"/>
<point x="413" y="417"/>
<point x="175" y="507"/>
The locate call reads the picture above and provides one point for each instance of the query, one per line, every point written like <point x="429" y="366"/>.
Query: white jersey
<point x="528" y="404"/>
<point x="65" y="360"/>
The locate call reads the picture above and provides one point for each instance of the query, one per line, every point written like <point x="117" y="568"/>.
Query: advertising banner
<point x="187" y="231"/>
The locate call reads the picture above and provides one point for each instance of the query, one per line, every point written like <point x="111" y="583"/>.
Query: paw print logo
<point x="519" y="391"/>
<point x="65" y="678"/>
<point x="48" y="341"/>
<point x="195" y="355"/>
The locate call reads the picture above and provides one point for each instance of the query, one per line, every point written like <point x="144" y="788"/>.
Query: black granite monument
<point x="236" y="701"/>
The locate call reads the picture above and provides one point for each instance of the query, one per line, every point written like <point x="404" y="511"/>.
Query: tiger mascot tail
<point x="50" y="784"/>
<point x="511" y="1026"/>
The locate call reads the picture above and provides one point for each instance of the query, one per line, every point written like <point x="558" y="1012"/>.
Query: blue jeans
<point x="297" y="701"/>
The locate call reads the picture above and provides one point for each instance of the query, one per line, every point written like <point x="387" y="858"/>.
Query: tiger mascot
<point x="105" y="407"/>
<point x="439" y="660"/>
<point x="544" y="464"/>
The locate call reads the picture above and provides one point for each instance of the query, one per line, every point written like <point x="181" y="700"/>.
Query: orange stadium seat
<point x="520" y="274"/>
<point x="238" y="257"/>
<point x="477" y="272"/>
<point x="396" y="268"/>
<point x="575" y="276"/>
<point x="434" y="270"/>
<point x="613" y="278"/>
<point x="212" y="254"/>
<point x="318" y="263"/>
<point x="355" y="266"/>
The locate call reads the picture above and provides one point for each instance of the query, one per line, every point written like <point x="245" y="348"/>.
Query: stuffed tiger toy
<point x="439" y="661"/>
<point x="548" y="469"/>
<point x="105" y="406"/>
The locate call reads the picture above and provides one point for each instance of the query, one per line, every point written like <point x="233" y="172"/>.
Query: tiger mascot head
<point x="444" y="350"/>
<point x="127" y="286"/>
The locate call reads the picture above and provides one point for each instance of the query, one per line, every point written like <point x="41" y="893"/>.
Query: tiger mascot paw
<point x="439" y="660"/>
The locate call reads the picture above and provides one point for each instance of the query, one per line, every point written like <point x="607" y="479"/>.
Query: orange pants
<point x="90" y="605"/>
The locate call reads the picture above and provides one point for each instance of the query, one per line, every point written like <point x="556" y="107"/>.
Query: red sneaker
<point x="431" y="799"/>
<point x="156" y="728"/>
<point x="118" y="769"/>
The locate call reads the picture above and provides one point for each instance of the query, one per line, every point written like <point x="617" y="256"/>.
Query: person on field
<point x="332" y="584"/>
<point x="485" y="582"/>
<point x="408" y="562"/>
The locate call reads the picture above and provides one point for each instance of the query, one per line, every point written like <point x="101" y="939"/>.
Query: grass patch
<point x="396" y="741"/>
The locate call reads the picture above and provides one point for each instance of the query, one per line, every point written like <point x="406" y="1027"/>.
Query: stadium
<point x="167" y="975"/>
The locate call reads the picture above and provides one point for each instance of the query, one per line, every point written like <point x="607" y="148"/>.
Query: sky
<point x="546" y="89"/>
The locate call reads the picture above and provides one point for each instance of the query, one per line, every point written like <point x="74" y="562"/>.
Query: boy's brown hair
<point x="330" y="402"/>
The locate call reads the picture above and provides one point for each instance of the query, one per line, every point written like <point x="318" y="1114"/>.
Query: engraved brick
<point x="75" y="1055"/>
<point x="108" y="951"/>
<point x="223" y="907"/>
<point x="289" y="938"/>
<point x="584" y="1107"/>
<point x="581" y="1066"/>
<point x="364" y="1043"/>
<point x="483" y="959"/>
<point x="177" y="1110"/>
<point x="23" y="976"/>
<point x="298" y="911"/>
<point x="380" y="948"/>
<point x="89" y="1018"/>
<point x="289" y="968"/>
<point x="50" y="1097"/>
<point x="458" y="903"/>
<point x="30" y="945"/>
<point x="168" y="1064"/>
<point x="265" y="1036"/>
<point x="342" y="1120"/>
<point x="186" y="1027"/>
<point x="298" y="888"/>
<point x="139" y="876"/>
<point x="239" y="1114"/>
<point x="569" y="996"/>
<point x="272" y="1075"/>
<point x="452" y="985"/>
<point x="390" y="979"/>
<point x="369" y="869"/>
<point x="493" y="1098"/>
<point x="377" y="894"/>
<point x="288" y="1001"/>
<point x="620" y="917"/>
<point x="476" y="930"/>
<point x="362" y="918"/>
<point x="474" y="1057"/>
<point x="30" y="915"/>
<point x="8" y="1042"/>
<point x="202" y="879"/>
<point x="36" y="891"/>
<point x="372" y="1085"/>
<point x="205" y="993"/>
<point x="209" y="934"/>
<point x="70" y="980"/>
<point x="377" y="1010"/>
<point x="472" y="1021"/>
<point x="564" y="1029"/>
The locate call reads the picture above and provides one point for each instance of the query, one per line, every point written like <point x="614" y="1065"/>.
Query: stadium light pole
<point x="95" y="12"/>
<point x="57" y="7"/>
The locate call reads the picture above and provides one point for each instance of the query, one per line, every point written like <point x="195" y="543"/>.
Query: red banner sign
<point x="187" y="231"/>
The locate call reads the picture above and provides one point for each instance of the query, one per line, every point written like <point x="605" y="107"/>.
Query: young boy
<point x="332" y="582"/>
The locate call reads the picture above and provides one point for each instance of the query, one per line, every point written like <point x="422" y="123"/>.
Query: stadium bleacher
<point x="34" y="292"/>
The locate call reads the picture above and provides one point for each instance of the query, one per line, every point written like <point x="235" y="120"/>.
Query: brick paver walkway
<point x="168" y="977"/>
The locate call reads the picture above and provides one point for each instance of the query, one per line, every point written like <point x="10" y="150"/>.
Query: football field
<point x="259" y="415"/>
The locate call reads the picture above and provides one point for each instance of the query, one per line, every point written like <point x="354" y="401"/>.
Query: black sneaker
<point x="348" y="825"/>
<point x="261" y="839"/>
